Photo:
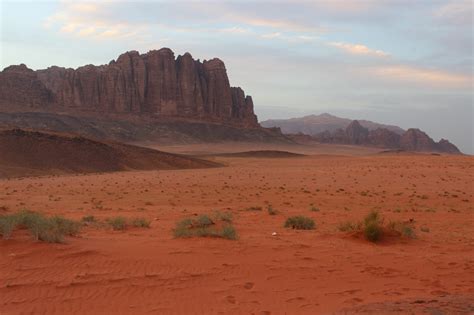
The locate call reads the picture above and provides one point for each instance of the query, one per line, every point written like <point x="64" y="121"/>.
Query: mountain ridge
<point x="314" y="124"/>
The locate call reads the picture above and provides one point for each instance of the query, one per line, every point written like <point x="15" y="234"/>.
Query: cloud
<point x="271" y="35"/>
<point x="236" y="30"/>
<point x="358" y="49"/>
<point x="84" y="20"/>
<point x="423" y="76"/>
<point x="456" y="12"/>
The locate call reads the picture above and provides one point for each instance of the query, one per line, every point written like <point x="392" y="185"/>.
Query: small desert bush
<point x="41" y="228"/>
<point x="117" y="223"/>
<point x="374" y="229"/>
<point x="205" y="226"/>
<point x="7" y="225"/>
<point x="141" y="222"/>
<point x="300" y="223"/>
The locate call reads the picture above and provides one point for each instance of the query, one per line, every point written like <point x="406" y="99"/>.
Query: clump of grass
<point x="313" y="208"/>
<point x="117" y="223"/>
<point x="41" y="228"/>
<point x="7" y="225"/>
<point x="374" y="230"/>
<point x="140" y="222"/>
<point x="205" y="226"/>
<point x="300" y="223"/>
<point x="372" y="226"/>
<point x="271" y="210"/>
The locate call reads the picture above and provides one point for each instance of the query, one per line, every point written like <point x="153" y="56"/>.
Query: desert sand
<point x="319" y="271"/>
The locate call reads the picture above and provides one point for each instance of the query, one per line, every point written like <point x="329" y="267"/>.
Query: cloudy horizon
<point x="397" y="62"/>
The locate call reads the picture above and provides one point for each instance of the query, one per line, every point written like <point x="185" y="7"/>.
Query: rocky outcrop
<point x="416" y="140"/>
<point x="21" y="86"/>
<point x="411" y="140"/>
<point x="356" y="134"/>
<point x="445" y="146"/>
<point x="154" y="84"/>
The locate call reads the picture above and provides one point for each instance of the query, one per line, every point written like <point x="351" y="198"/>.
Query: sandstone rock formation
<point x="411" y="140"/>
<point x="154" y="84"/>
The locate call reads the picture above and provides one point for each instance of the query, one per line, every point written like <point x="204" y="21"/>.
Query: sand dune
<point x="26" y="153"/>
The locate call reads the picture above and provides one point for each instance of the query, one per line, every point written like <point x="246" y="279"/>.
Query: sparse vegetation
<point x="300" y="223"/>
<point x="313" y="208"/>
<point x="141" y="222"/>
<point x="374" y="230"/>
<point x="7" y="225"/>
<point x="41" y="228"/>
<point x="219" y="225"/>
<point x="117" y="223"/>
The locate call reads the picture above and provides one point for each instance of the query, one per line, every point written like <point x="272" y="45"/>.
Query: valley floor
<point x="319" y="271"/>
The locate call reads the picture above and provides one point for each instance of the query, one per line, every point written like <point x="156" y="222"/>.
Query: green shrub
<point x="204" y="226"/>
<point x="372" y="231"/>
<point x="65" y="226"/>
<point x="229" y="232"/>
<point x="41" y="228"/>
<point x="141" y="222"/>
<point x="8" y="223"/>
<point x="202" y="221"/>
<point x="117" y="223"/>
<point x="373" y="216"/>
<point x="300" y="223"/>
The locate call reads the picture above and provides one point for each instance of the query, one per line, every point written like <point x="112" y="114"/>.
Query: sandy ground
<point x="321" y="271"/>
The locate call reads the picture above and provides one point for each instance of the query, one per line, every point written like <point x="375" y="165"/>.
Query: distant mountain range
<point x="315" y="124"/>
<point x="326" y="128"/>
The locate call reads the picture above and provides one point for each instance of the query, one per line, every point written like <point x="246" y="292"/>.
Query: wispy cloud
<point x="236" y="30"/>
<point x="358" y="49"/>
<point x="83" y="20"/>
<point x="423" y="76"/>
<point x="271" y="35"/>
<point x="456" y="12"/>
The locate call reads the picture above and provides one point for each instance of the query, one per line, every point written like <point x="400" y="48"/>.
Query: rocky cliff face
<point x="154" y="84"/>
<point x="411" y="140"/>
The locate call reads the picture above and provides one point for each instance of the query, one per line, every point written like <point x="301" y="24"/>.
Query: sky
<point x="404" y="62"/>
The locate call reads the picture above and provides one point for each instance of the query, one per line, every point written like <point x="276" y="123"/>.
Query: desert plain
<point x="268" y="269"/>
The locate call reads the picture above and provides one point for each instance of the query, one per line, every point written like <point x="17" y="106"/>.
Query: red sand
<point x="296" y="272"/>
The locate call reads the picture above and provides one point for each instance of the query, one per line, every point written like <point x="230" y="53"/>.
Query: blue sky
<point x="400" y="62"/>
